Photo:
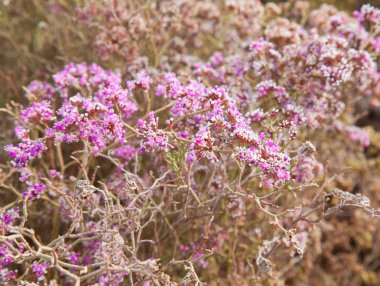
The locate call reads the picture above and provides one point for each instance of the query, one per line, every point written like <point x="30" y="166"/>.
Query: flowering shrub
<point x="200" y="160"/>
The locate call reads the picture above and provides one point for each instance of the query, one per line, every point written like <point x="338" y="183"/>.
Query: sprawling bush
<point x="216" y="142"/>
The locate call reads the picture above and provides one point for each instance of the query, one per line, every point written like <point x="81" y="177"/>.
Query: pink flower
<point x="152" y="138"/>
<point x="359" y="135"/>
<point x="21" y="132"/>
<point x="25" y="151"/>
<point x="40" y="269"/>
<point x="34" y="190"/>
<point x="143" y="80"/>
<point x="40" y="112"/>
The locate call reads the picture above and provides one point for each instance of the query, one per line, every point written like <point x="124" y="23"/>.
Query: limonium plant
<point x="187" y="165"/>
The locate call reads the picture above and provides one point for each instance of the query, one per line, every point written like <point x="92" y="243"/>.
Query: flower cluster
<point x="152" y="138"/>
<point x="39" y="112"/>
<point x="211" y="133"/>
<point x="7" y="218"/>
<point x="23" y="153"/>
<point x="34" y="190"/>
<point x="267" y="156"/>
<point x="40" y="269"/>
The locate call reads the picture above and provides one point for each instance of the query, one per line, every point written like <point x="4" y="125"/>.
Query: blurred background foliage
<point x="37" y="37"/>
<point x="348" y="5"/>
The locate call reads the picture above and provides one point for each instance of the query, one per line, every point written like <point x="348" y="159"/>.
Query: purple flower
<point x="266" y="88"/>
<point x="169" y="87"/>
<point x="7" y="275"/>
<point x="268" y="158"/>
<point x="184" y="248"/>
<point x="116" y="95"/>
<point x="74" y="76"/>
<point x="5" y="255"/>
<point x="74" y="257"/>
<point x="359" y="135"/>
<point x="25" y="151"/>
<point x="55" y="174"/>
<point x="34" y="190"/>
<point x="125" y="152"/>
<point x="368" y="13"/>
<point x="152" y="138"/>
<point x="202" y="147"/>
<point x="40" y="269"/>
<point x="143" y="80"/>
<point x="7" y="218"/>
<point x="41" y="90"/>
<point x="40" y="112"/>
<point x="21" y="132"/>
